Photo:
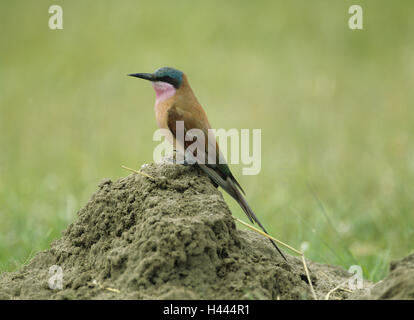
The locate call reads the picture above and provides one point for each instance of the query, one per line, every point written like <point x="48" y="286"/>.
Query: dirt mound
<point x="167" y="237"/>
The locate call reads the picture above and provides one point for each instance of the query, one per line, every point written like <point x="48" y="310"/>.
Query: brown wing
<point x="190" y="121"/>
<point x="195" y="121"/>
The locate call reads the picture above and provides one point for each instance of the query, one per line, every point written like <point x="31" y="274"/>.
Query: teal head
<point x="168" y="75"/>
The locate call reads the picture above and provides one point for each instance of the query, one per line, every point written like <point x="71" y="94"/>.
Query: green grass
<point x="335" y="107"/>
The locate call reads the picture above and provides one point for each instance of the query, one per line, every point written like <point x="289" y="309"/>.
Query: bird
<point x="176" y="103"/>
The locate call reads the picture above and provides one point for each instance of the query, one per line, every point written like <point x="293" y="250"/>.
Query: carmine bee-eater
<point x="176" y="105"/>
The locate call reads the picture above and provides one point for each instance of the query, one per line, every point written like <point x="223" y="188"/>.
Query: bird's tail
<point x="230" y="186"/>
<point x="249" y="212"/>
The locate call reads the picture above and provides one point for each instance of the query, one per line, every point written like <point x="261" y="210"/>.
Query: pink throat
<point x="163" y="91"/>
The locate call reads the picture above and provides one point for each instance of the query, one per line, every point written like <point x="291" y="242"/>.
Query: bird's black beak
<point x="145" y="76"/>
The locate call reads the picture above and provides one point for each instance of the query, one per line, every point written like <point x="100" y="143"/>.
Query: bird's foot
<point x="178" y="158"/>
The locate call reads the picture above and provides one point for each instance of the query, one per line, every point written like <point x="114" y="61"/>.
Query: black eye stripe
<point x="169" y="80"/>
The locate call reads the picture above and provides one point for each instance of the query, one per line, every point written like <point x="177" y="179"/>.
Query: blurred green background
<point x="335" y="107"/>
